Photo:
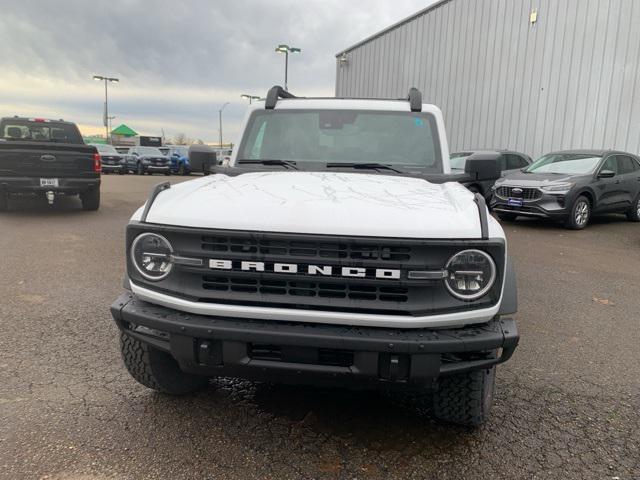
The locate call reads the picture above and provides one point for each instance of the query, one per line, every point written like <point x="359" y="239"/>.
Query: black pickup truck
<point x="47" y="158"/>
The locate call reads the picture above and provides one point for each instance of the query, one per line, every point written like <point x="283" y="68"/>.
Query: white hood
<point x="327" y="203"/>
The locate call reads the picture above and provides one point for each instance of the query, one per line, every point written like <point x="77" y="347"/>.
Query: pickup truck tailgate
<point x="33" y="159"/>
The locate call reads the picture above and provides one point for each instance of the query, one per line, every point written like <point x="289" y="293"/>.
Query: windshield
<point x="39" y="131"/>
<point x="149" y="151"/>
<point x="459" y="160"/>
<point x="343" y="136"/>
<point x="102" y="148"/>
<point x="182" y="151"/>
<point x="565" y="163"/>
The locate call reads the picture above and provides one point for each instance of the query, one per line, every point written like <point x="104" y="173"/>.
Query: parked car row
<point x="568" y="186"/>
<point x="176" y="159"/>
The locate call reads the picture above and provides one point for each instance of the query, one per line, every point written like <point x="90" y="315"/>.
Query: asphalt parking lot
<point x="566" y="405"/>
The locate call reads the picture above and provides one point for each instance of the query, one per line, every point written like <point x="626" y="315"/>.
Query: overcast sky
<point x="177" y="61"/>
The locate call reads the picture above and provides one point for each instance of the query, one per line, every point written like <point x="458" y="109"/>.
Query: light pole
<point x="112" y="117"/>
<point x="250" y="97"/>
<point x="286" y="49"/>
<point x="220" y="119"/>
<point x="106" y="80"/>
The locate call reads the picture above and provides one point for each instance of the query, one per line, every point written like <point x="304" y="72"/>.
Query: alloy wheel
<point x="582" y="213"/>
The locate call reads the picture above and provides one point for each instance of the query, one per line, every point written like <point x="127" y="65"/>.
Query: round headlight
<point x="470" y="274"/>
<point x="151" y="255"/>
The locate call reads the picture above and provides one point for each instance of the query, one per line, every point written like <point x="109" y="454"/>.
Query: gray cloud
<point x="177" y="61"/>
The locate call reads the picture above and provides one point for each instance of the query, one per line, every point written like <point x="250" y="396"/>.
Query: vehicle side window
<point x="626" y="164"/>
<point x="515" y="162"/>
<point x="611" y="163"/>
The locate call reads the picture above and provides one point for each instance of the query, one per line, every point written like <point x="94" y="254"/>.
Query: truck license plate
<point x="48" y="182"/>
<point x="514" y="202"/>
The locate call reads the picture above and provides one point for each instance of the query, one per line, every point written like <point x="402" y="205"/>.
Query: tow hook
<point x="50" y="197"/>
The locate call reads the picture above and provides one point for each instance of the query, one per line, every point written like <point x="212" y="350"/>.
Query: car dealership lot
<point x="566" y="403"/>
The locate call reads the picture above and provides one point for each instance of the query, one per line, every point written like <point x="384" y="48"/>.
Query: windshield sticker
<point x="419" y="122"/>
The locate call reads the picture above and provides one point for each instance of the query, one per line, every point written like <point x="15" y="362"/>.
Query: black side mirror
<point x="483" y="166"/>
<point x="606" y="174"/>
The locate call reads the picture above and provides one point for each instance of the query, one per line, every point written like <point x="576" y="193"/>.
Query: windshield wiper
<point x="363" y="166"/>
<point x="285" y="163"/>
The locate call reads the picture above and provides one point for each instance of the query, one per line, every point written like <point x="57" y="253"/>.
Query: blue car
<point x="179" y="156"/>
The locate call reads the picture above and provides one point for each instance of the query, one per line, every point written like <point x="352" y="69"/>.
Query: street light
<point x="220" y="116"/>
<point x="106" y="80"/>
<point x="250" y="97"/>
<point x="286" y="49"/>
<point x="112" y="117"/>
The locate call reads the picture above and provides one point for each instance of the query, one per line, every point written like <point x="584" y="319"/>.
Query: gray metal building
<point x="528" y="75"/>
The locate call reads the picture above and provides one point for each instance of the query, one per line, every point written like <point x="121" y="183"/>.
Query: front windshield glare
<point x="148" y="151"/>
<point x="458" y="160"/>
<point x="106" y="149"/>
<point x="343" y="136"/>
<point x="566" y="164"/>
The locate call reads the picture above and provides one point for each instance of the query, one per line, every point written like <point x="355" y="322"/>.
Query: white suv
<point x="338" y="248"/>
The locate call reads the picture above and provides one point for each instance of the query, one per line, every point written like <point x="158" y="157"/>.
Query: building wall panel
<point x="569" y="80"/>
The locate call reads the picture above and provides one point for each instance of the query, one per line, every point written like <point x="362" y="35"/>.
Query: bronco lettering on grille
<point x="324" y="270"/>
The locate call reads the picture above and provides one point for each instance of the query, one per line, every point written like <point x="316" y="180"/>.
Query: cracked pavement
<point x="566" y="404"/>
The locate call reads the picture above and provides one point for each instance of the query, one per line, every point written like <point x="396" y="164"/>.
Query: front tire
<point x="634" y="214"/>
<point x="156" y="369"/>
<point x="90" y="200"/>
<point x="465" y="398"/>
<point x="181" y="169"/>
<point x="4" y="202"/>
<point x="140" y="169"/>
<point x="580" y="214"/>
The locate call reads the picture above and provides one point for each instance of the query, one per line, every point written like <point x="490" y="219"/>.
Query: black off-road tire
<point x="634" y="214"/>
<point x="572" y="222"/>
<point x="140" y="169"/>
<point x="507" y="217"/>
<point x="156" y="369"/>
<point x="90" y="199"/>
<point x="122" y="171"/>
<point x="4" y="202"/>
<point x="465" y="398"/>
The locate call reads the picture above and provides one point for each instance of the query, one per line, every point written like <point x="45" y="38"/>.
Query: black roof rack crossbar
<point x="152" y="197"/>
<point x="415" y="99"/>
<point x="274" y="94"/>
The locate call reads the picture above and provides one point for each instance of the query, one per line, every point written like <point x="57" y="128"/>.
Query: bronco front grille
<point x="334" y="289"/>
<point x="302" y="290"/>
<point x="527" y="193"/>
<point x="301" y="248"/>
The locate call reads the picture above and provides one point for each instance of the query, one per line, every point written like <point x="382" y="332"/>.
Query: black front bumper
<point x="358" y="357"/>
<point x="118" y="167"/>
<point x="549" y="206"/>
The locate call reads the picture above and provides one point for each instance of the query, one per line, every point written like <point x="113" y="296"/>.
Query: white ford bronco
<point x="337" y="248"/>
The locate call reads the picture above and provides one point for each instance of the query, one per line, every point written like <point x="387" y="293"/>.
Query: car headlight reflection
<point x="151" y="254"/>
<point x="470" y="274"/>
<point x="557" y="187"/>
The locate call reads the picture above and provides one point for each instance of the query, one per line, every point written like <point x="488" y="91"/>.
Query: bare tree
<point x="181" y="139"/>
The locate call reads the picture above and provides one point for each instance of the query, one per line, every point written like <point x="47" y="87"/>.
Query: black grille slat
<point x="305" y="355"/>
<point x="306" y="289"/>
<point x="297" y="248"/>
<point x="527" y="193"/>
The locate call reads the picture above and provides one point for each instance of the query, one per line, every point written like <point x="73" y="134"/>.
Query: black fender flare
<point x="509" y="303"/>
